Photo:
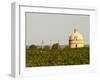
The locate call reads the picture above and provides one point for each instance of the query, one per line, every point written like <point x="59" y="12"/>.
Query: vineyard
<point x="56" y="57"/>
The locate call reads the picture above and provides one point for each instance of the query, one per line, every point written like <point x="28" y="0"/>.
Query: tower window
<point x="76" y="45"/>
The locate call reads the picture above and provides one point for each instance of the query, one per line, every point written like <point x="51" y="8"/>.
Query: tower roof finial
<point x="75" y="30"/>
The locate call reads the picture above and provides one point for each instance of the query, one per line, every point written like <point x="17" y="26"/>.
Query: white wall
<point x="5" y="36"/>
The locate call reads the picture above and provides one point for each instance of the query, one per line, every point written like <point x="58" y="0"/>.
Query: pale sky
<point x="54" y="27"/>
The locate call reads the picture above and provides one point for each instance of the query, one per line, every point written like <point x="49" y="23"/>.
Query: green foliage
<point x="55" y="57"/>
<point x="46" y="47"/>
<point x="33" y="46"/>
<point x="56" y="46"/>
<point x="67" y="46"/>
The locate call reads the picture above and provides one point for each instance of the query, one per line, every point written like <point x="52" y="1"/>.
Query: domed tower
<point x="76" y="40"/>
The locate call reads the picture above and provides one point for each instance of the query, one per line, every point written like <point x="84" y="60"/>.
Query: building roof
<point x="76" y="35"/>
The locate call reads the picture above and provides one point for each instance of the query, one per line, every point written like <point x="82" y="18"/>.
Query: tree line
<point x="54" y="46"/>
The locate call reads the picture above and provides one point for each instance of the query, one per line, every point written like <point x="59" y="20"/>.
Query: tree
<point x="33" y="46"/>
<point x="56" y="46"/>
<point x="46" y="47"/>
<point x="67" y="46"/>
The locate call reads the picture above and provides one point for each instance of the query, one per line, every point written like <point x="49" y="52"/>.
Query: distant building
<point x="76" y="40"/>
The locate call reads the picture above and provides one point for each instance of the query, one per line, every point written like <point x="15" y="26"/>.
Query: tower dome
<point x="76" y="39"/>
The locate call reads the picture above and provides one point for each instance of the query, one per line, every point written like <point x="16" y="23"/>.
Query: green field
<point x="56" y="57"/>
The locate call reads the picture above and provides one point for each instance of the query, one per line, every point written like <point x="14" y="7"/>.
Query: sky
<point x="53" y="28"/>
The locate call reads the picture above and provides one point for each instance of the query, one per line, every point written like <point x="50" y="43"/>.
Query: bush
<point x="67" y="56"/>
<point x="56" y="46"/>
